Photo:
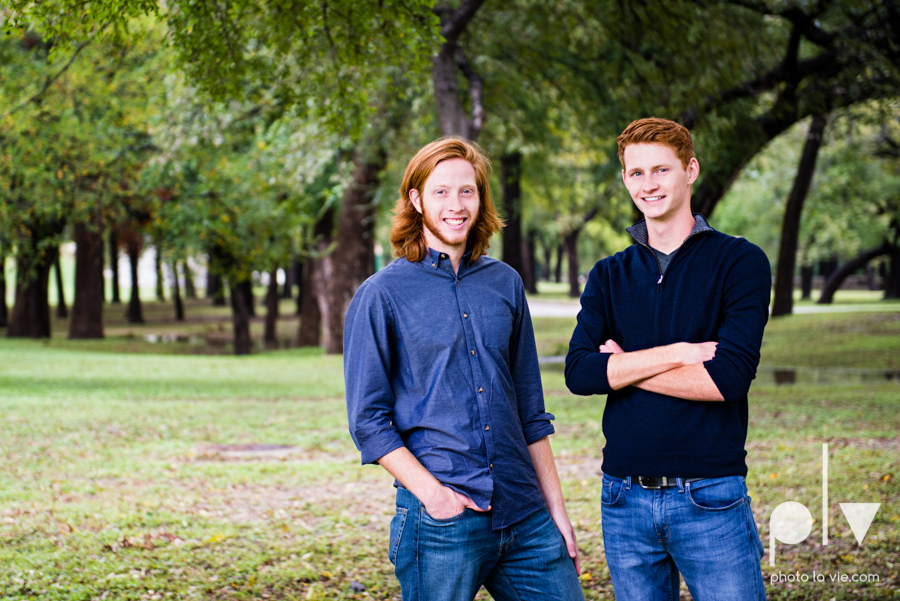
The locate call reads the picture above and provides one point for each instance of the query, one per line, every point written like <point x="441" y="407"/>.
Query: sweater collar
<point x="638" y="231"/>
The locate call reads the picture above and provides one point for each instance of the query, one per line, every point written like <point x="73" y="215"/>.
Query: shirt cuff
<point x="588" y="375"/>
<point x="374" y="445"/>
<point x="538" y="428"/>
<point x="731" y="384"/>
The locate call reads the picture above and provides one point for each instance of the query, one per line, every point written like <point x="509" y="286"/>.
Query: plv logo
<point x="791" y="522"/>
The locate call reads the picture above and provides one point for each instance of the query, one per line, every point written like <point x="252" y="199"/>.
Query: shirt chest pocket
<point x="497" y="327"/>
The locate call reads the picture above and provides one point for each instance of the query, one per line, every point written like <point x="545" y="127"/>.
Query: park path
<point x="570" y="308"/>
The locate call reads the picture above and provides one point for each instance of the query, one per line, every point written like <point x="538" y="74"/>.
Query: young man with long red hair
<point x="670" y="329"/>
<point x="444" y="392"/>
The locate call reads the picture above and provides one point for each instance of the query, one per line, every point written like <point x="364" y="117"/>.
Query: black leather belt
<point x="656" y="482"/>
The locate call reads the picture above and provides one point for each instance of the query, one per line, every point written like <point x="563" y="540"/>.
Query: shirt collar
<point x="638" y="231"/>
<point x="433" y="259"/>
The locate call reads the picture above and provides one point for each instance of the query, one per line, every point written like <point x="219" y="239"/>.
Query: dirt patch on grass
<point x="579" y="467"/>
<point x="306" y="506"/>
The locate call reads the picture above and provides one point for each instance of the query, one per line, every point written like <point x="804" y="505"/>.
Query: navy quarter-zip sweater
<point x="716" y="288"/>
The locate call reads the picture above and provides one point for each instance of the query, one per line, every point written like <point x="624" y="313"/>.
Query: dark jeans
<point x="449" y="560"/>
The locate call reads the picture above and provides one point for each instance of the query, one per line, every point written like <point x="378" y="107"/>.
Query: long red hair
<point x="407" y="231"/>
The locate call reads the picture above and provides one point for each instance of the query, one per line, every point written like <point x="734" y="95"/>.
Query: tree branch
<point x="822" y="62"/>
<point x="453" y="23"/>
<point x="50" y="80"/>
<point x="804" y="22"/>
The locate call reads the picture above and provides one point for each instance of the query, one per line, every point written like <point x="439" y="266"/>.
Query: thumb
<point x="466" y="501"/>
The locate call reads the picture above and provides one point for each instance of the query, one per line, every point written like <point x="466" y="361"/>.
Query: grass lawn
<point x="134" y="470"/>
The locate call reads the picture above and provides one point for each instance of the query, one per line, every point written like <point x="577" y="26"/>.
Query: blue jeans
<point x="449" y="560"/>
<point x="703" y="529"/>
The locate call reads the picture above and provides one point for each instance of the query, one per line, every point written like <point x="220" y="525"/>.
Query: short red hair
<point x="653" y="130"/>
<point x="408" y="231"/>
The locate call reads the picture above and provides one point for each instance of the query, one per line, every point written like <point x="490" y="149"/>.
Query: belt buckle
<point x="665" y="482"/>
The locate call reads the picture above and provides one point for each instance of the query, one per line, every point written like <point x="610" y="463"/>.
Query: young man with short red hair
<point x="670" y="329"/>
<point x="444" y="392"/>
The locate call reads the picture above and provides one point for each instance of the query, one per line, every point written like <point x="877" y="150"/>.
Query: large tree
<point x="69" y="154"/>
<point x="783" y="301"/>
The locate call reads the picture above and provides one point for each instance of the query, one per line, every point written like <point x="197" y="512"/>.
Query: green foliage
<point x="70" y="151"/>
<point x="326" y="57"/>
<point x="851" y="202"/>
<point x="236" y="179"/>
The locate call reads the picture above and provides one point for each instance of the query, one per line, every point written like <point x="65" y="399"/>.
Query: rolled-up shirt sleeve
<point x="747" y="291"/>
<point x="526" y="373"/>
<point x="367" y="368"/>
<point x="585" y="364"/>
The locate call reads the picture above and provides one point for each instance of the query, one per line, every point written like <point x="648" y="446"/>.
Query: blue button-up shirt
<point x="445" y="364"/>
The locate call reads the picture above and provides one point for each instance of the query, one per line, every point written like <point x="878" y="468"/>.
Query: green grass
<point x="132" y="474"/>
<point x="857" y="340"/>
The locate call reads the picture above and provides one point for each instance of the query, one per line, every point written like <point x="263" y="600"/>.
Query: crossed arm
<point x="675" y="370"/>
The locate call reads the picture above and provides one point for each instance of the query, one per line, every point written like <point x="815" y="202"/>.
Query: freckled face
<point x="657" y="181"/>
<point x="449" y="204"/>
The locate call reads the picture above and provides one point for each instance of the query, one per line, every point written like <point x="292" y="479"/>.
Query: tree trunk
<point x="176" y="292"/>
<point x="806" y="280"/>
<point x="548" y="260"/>
<point x="160" y="291"/>
<point x="353" y="258"/>
<point x="62" y="310"/>
<point x="290" y="280"/>
<point x="4" y="310"/>
<point x="529" y="262"/>
<point x="216" y="290"/>
<point x="30" y="316"/>
<point x="241" y="298"/>
<point x="87" y="308"/>
<point x="827" y="267"/>
<point x="114" y="264"/>
<point x="271" y="335"/>
<point x="314" y="299"/>
<point x="837" y="278"/>
<point x="511" y="176"/>
<point x="310" y="332"/>
<point x="892" y="281"/>
<point x="451" y="113"/>
<point x="783" y="301"/>
<point x="297" y="269"/>
<point x="560" y="251"/>
<point x="570" y="241"/>
<point x="190" y="291"/>
<point x="135" y="313"/>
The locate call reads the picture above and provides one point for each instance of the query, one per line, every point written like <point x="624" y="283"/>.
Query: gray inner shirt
<point x="663" y="259"/>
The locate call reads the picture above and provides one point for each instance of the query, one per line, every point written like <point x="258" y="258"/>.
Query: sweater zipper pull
<point x="660" y="280"/>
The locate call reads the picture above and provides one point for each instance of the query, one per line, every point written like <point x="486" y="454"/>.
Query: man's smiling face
<point x="659" y="184"/>
<point x="449" y="204"/>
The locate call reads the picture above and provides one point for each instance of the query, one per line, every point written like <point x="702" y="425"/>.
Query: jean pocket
<point x="717" y="494"/>
<point x="397" y="524"/>
<point x="611" y="493"/>
<point x="450" y="520"/>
